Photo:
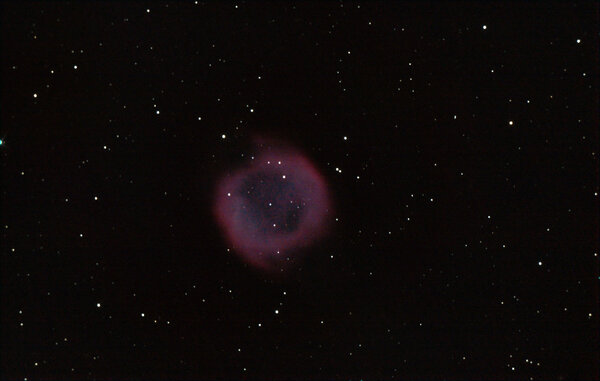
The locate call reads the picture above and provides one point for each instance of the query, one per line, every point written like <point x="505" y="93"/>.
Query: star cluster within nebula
<point x="272" y="208"/>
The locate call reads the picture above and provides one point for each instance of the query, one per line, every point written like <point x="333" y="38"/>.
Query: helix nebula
<point x="272" y="208"/>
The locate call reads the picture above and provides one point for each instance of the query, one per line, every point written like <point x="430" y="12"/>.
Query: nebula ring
<point x="272" y="208"/>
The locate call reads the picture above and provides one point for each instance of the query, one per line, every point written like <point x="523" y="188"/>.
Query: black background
<point x="445" y="209"/>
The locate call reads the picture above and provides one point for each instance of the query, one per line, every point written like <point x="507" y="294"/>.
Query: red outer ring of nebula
<point x="275" y="251"/>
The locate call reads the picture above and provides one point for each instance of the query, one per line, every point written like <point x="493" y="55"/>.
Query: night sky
<point x="457" y="149"/>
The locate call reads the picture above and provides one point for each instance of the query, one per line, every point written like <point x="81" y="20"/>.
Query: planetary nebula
<point x="272" y="208"/>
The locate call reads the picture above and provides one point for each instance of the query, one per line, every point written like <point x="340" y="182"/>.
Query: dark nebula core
<point x="273" y="207"/>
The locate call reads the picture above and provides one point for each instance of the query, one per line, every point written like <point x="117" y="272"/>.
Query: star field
<point x="458" y="142"/>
